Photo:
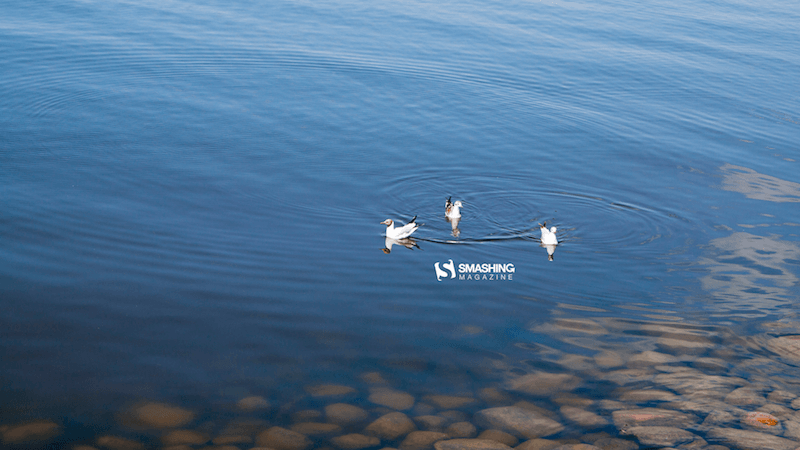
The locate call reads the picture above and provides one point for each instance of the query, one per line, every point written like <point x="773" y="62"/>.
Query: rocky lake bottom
<point x="664" y="384"/>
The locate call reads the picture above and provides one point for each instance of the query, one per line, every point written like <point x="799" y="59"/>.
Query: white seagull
<point x="548" y="236"/>
<point x="402" y="232"/>
<point x="452" y="210"/>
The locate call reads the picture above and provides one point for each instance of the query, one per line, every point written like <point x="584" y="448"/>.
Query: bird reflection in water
<point x="550" y="250"/>
<point x="454" y="224"/>
<point x="408" y="243"/>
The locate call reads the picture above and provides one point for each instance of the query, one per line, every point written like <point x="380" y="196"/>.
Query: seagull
<point x="452" y="210"/>
<point x="548" y="237"/>
<point x="402" y="232"/>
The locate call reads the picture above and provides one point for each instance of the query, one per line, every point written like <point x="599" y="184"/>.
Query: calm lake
<point x="192" y="193"/>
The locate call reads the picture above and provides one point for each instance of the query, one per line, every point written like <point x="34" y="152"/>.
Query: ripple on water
<point x="502" y="208"/>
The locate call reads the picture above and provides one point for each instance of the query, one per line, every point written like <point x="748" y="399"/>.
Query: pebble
<point x="745" y="396"/>
<point x="430" y="422"/>
<point x="496" y="397"/>
<point x="355" y="441"/>
<point x="538" y="444"/>
<point x="184" y="437"/>
<point x="650" y="358"/>
<point x="118" y="443"/>
<point x="461" y="430"/>
<point x="751" y="440"/>
<point x="158" y="415"/>
<point x="648" y="395"/>
<point x="391" y="426"/>
<point x="253" y="403"/>
<point x="582" y="417"/>
<point x="279" y="438"/>
<point x="28" y="432"/>
<point x="344" y="414"/>
<point x="373" y="378"/>
<point x="652" y="417"/>
<point x="329" y="390"/>
<point x="470" y="444"/>
<point x="421" y="440"/>
<point x="763" y="421"/>
<point x="544" y="384"/>
<point x="391" y="398"/>
<point x="517" y="421"/>
<point x="661" y="436"/>
<point x="450" y="401"/>
<point x="316" y="428"/>
<point x="499" y="436"/>
<point x="616" y="444"/>
<point x="608" y="359"/>
<point x="232" y="439"/>
<point x="786" y="346"/>
<point x="577" y="447"/>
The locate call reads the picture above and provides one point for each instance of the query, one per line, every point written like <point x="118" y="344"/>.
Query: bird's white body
<point x="548" y="236"/>
<point x="401" y="232"/>
<point x="452" y="210"/>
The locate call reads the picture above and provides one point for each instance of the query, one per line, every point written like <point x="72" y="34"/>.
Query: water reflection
<point x="456" y="232"/>
<point x="551" y="249"/>
<point x="408" y="243"/>
<point x="759" y="186"/>
<point x="752" y="272"/>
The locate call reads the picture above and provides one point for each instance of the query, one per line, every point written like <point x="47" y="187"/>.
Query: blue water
<point x="192" y="192"/>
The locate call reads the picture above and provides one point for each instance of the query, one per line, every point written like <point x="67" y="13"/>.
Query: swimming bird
<point x="452" y="210"/>
<point x="548" y="236"/>
<point x="402" y="232"/>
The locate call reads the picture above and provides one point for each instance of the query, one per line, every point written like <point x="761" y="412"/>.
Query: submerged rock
<point x="316" y="428"/>
<point x="391" y="426"/>
<point x="745" y="396"/>
<point x="499" y="436"/>
<point x="253" y="403"/>
<point x="648" y="395"/>
<point x="29" y="432"/>
<point x="763" y="422"/>
<point x="282" y="439"/>
<point x="750" y="440"/>
<point x="544" y="384"/>
<point x="450" y="401"/>
<point x="355" y="441"/>
<point x="329" y="390"/>
<point x="517" y="421"/>
<point x="652" y="417"/>
<point x="461" y="430"/>
<point x="616" y="444"/>
<point x="232" y="439"/>
<point x="582" y="417"/>
<point x="158" y="415"/>
<point x="421" y="440"/>
<point x="538" y="444"/>
<point x="470" y="444"/>
<point x="430" y="422"/>
<point x="190" y="437"/>
<point x="119" y="443"/>
<point x="344" y="414"/>
<point x="661" y="436"/>
<point x="392" y="398"/>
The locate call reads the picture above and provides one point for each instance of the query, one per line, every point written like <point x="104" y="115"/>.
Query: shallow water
<point x="192" y="196"/>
